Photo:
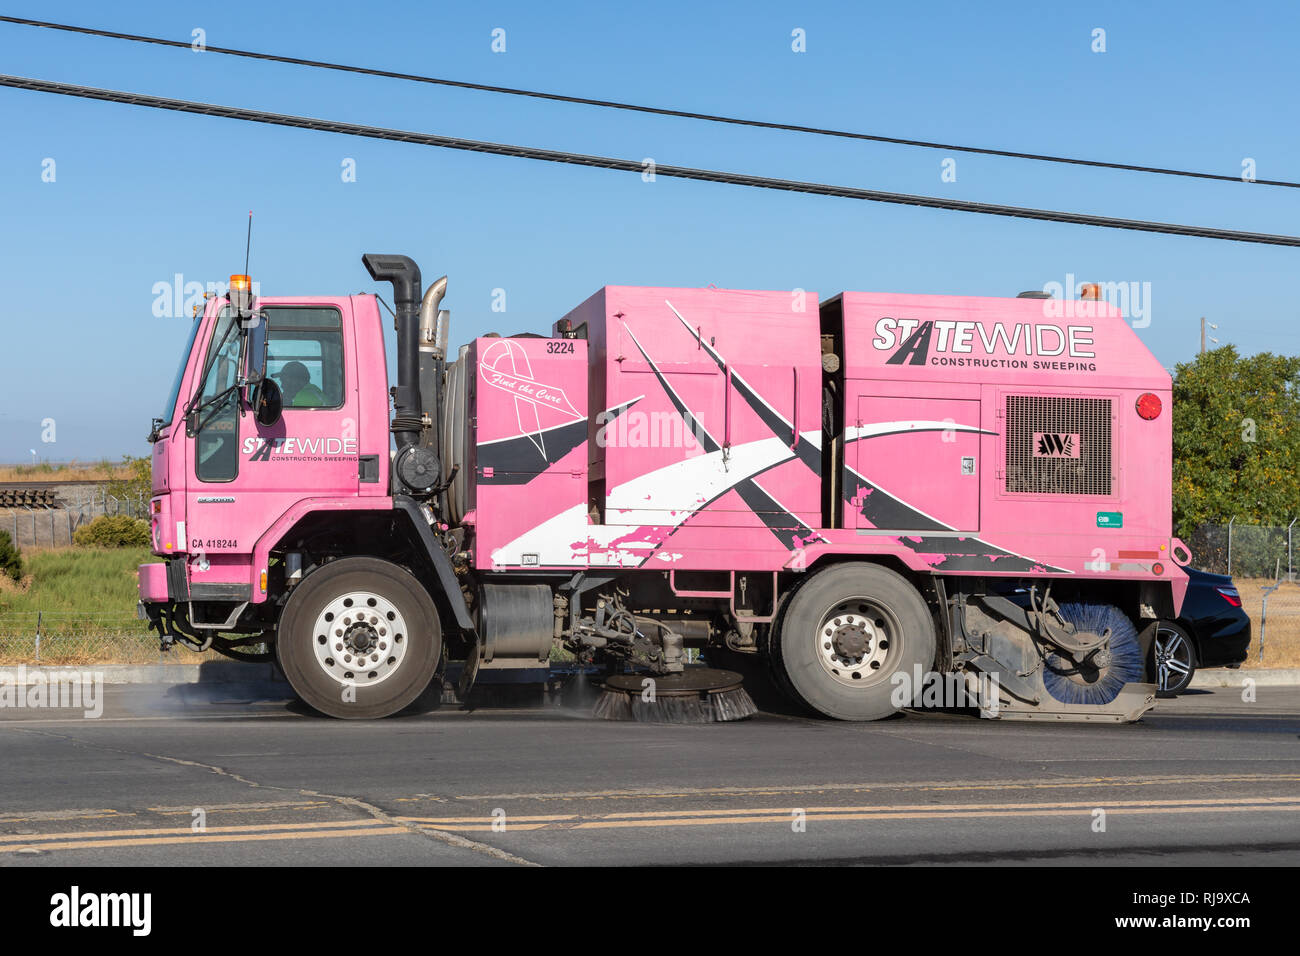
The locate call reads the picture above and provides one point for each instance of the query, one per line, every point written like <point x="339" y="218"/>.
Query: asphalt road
<point x="1207" y="779"/>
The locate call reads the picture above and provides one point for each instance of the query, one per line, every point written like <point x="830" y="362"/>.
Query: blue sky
<point x="141" y="195"/>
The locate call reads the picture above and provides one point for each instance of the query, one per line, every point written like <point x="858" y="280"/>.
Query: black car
<point x="1212" y="631"/>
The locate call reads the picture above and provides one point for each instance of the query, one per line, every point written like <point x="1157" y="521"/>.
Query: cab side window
<point x="217" y="440"/>
<point x="305" y="356"/>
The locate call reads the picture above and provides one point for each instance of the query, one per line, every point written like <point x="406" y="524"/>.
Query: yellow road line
<point x="199" y="838"/>
<point x="242" y="807"/>
<point x="932" y="809"/>
<point x="924" y="786"/>
<point x="787" y="817"/>
<point x="102" y="839"/>
<point x="49" y="815"/>
<point x="29" y="839"/>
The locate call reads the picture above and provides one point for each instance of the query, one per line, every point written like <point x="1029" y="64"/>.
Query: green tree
<point x="138" y="484"/>
<point x="1236" y="440"/>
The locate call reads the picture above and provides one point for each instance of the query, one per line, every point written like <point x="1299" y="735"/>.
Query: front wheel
<point x="1173" y="660"/>
<point x="845" y="634"/>
<point x="359" y="638"/>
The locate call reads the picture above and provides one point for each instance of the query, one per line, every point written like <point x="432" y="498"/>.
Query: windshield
<point x="170" y="409"/>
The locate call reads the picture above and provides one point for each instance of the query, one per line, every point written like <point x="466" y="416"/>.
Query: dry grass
<point x="100" y="649"/>
<point x="1281" y="646"/>
<point x="83" y="600"/>
<point x="64" y="471"/>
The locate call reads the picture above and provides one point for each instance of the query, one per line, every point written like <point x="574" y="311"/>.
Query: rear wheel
<point x="1173" y="660"/>
<point x="845" y="634"/>
<point x="359" y="638"/>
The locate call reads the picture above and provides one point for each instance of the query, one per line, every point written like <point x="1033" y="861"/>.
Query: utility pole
<point x="1212" y="338"/>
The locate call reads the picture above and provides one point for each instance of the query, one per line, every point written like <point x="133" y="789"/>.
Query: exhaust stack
<point x="433" y="352"/>
<point x="404" y="275"/>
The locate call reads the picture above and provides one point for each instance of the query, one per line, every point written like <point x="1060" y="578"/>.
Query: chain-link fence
<point x="1263" y="561"/>
<point x="1247" y="550"/>
<point x="1274" y="609"/>
<point x="1209" y="547"/>
<point x="60" y="638"/>
<point x="53" y="527"/>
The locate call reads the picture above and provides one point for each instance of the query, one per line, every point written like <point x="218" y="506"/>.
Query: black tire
<point x="395" y="612"/>
<point x="875" y="601"/>
<point x="1174" y="648"/>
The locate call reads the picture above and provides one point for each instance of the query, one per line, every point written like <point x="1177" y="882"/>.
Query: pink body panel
<point x="710" y="457"/>
<point x="993" y="352"/>
<point x="530" y="414"/>
<point x="153" y="581"/>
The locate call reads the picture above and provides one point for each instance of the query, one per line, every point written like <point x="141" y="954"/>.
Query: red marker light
<point x="1148" y="406"/>
<point x="1158" y="568"/>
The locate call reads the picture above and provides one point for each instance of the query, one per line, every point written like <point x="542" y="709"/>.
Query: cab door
<point x="247" y="475"/>
<point x="212" y="432"/>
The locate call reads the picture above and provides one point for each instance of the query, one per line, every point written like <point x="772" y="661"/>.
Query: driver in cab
<point x="296" y="386"/>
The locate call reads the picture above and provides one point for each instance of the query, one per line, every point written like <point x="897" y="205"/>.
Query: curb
<point x="1264" y="677"/>
<point x="209" y="672"/>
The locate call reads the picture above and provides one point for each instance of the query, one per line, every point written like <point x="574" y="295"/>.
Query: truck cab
<point x="226" y="480"/>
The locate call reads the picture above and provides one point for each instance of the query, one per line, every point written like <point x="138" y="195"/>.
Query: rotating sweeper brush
<point x="1074" y="661"/>
<point x="1092" y="684"/>
<point x="697" y="695"/>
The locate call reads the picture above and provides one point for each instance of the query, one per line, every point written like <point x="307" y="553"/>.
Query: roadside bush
<point x="11" y="559"/>
<point x="113" y="531"/>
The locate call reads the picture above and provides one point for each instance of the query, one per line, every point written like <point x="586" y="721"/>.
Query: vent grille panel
<point x="1058" y="446"/>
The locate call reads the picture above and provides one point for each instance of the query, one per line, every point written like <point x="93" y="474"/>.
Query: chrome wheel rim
<point x="1173" y="659"/>
<point x="857" y="640"/>
<point x="360" y="639"/>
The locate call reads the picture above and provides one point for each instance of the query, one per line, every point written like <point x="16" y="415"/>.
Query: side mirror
<point x="267" y="402"/>
<point x="254" y="329"/>
<point x="254" y="332"/>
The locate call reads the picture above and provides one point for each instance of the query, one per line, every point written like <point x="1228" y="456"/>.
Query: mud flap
<point x="469" y="672"/>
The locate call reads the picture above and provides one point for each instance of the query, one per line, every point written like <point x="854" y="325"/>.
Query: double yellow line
<point x="953" y="811"/>
<point x="338" y="829"/>
<point x="163" y="836"/>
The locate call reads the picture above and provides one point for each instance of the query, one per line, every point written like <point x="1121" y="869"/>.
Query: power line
<point x="629" y="165"/>
<point x="635" y="108"/>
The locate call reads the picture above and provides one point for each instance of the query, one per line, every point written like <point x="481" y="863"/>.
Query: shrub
<point x="11" y="559"/>
<point x="113" y="531"/>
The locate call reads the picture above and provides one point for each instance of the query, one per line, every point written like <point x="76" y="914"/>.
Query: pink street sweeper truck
<point x="856" y="498"/>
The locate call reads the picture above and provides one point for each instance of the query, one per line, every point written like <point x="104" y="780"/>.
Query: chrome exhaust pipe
<point x="434" y="321"/>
